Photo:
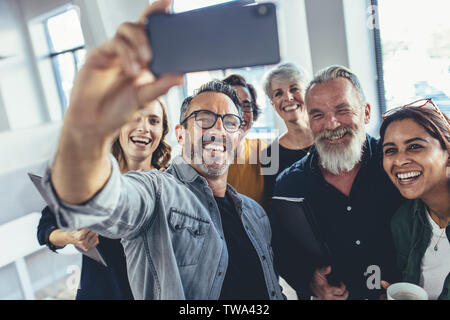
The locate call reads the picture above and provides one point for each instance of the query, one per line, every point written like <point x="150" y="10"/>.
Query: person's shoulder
<point x="256" y="143"/>
<point x="288" y="180"/>
<point x="404" y="215"/>
<point x="268" y="147"/>
<point x="296" y="170"/>
<point x="375" y="147"/>
<point x="151" y="177"/>
<point x="252" y="206"/>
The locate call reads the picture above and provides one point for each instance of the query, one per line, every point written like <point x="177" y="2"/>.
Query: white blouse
<point x="435" y="264"/>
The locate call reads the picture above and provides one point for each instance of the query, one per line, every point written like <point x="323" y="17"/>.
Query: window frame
<point x="381" y="91"/>
<point x="54" y="54"/>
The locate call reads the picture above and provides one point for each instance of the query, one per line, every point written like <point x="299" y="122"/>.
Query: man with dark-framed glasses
<point x="186" y="233"/>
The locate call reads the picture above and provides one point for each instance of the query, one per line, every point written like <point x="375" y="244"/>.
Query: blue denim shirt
<point x="171" y="230"/>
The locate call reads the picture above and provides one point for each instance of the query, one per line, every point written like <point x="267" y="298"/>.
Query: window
<point x="415" y="51"/>
<point x="66" y="43"/>
<point x="253" y="75"/>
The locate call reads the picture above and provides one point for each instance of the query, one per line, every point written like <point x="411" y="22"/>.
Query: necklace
<point x="436" y="248"/>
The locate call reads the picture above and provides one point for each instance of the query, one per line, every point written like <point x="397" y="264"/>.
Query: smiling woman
<point x="285" y="86"/>
<point x="416" y="146"/>
<point x="141" y="143"/>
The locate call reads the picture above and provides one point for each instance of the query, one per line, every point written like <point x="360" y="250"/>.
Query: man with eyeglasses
<point x="244" y="173"/>
<point x="185" y="232"/>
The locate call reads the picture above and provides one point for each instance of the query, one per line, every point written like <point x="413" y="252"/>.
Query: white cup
<point x="406" y="291"/>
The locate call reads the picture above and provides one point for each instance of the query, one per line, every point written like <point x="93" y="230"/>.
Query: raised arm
<point x="112" y="84"/>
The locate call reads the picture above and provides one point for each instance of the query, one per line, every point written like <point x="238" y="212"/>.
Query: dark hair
<point x="160" y="157"/>
<point x="212" y="86"/>
<point x="238" y="80"/>
<point x="426" y="117"/>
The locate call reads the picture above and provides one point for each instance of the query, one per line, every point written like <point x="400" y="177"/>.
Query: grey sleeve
<point x="118" y="210"/>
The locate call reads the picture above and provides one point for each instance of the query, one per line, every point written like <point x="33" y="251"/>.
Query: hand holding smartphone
<point x="212" y="38"/>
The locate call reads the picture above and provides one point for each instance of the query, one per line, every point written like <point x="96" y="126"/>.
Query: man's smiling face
<point x="209" y="151"/>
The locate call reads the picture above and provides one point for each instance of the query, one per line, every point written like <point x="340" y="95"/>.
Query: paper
<point x="93" y="253"/>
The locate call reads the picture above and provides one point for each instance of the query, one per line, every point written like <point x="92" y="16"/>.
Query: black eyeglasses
<point x="206" y="119"/>
<point x="248" y="107"/>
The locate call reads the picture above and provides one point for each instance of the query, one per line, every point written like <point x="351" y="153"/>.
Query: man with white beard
<point x="350" y="197"/>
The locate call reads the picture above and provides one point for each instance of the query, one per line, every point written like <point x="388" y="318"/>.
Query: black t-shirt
<point x="286" y="157"/>
<point x="244" y="279"/>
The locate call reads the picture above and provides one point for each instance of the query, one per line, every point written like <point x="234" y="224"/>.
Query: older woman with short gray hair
<point x="285" y="86"/>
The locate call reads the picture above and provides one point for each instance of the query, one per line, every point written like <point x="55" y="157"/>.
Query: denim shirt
<point x="171" y="230"/>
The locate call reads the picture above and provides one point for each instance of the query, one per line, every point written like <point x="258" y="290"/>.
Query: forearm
<point x="81" y="166"/>
<point x="59" y="238"/>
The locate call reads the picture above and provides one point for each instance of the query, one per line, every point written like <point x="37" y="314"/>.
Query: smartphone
<point x="212" y="38"/>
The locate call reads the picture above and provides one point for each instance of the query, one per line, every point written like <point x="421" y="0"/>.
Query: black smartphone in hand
<point x="213" y="38"/>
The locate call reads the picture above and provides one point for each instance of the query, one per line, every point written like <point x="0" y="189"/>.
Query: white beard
<point x="209" y="167"/>
<point x="338" y="158"/>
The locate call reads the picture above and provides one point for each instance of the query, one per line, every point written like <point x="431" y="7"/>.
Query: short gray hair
<point x="335" y="72"/>
<point x="212" y="86"/>
<point x="283" y="73"/>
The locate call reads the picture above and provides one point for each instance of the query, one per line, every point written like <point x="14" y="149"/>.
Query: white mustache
<point x="334" y="134"/>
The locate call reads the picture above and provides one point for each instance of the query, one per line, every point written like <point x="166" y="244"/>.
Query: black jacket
<point x="97" y="281"/>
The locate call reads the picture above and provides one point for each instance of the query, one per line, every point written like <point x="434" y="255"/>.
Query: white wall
<point x="326" y="33"/>
<point x="339" y="34"/>
<point x="361" y="55"/>
<point x="22" y="98"/>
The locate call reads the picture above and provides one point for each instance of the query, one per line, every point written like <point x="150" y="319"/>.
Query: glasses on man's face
<point x="248" y="107"/>
<point x="206" y="119"/>
<point x="416" y="104"/>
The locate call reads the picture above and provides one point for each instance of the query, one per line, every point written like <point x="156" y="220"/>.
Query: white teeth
<point x="214" y="147"/>
<point x="334" y="135"/>
<point x="408" y="175"/>
<point x="140" y="140"/>
<point x="290" y="108"/>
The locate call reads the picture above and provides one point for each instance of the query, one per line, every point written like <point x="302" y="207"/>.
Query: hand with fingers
<point x="323" y="290"/>
<point x="115" y="80"/>
<point x="112" y="84"/>
<point x="385" y="286"/>
<point x="85" y="239"/>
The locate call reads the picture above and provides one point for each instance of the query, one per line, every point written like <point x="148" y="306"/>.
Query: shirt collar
<point x="186" y="173"/>
<point x="184" y="170"/>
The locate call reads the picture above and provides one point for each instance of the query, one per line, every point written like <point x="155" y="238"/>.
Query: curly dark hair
<point x="161" y="156"/>
<point x="238" y="80"/>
